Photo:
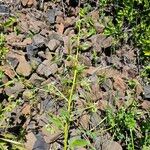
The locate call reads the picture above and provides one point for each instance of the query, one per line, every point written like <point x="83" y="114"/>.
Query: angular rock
<point x="32" y="50"/>
<point x="99" y="27"/>
<point x="147" y="92"/>
<point x="24" y="67"/>
<point x="53" y="44"/>
<point x="48" y="55"/>
<point x="15" y="90"/>
<point x="47" y="68"/>
<point x="36" y="80"/>
<point x="51" y="16"/>
<point x="4" y="10"/>
<point x="13" y="61"/>
<point x="30" y="140"/>
<point x="40" y="143"/>
<point x="27" y="95"/>
<point x="120" y="85"/>
<point x="39" y="40"/>
<point x="107" y="42"/>
<point x="146" y="105"/>
<point x="111" y="145"/>
<point x="55" y="36"/>
<point x="8" y="71"/>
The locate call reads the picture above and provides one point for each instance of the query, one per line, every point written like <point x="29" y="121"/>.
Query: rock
<point x="14" y="90"/>
<point x="139" y="88"/>
<point x="99" y="27"/>
<point x="48" y="55"/>
<point x="24" y="67"/>
<point x="69" y="21"/>
<point x="40" y="143"/>
<point x="28" y="3"/>
<point x="107" y="42"/>
<point x="120" y="85"/>
<point x="55" y="36"/>
<point x="84" y="120"/>
<point x="12" y="38"/>
<point x="111" y="145"/>
<point x="53" y="44"/>
<point x="13" y="61"/>
<point x="95" y="119"/>
<point x="47" y="68"/>
<point x="51" y="16"/>
<point x="147" y="92"/>
<point x="30" y="140"/>
<point x="49" y="138"/>
<point x="8" y="71"/>
<point x="26" y="110"/>
<point x="41" y="54"/>
<point x="32" y="50"/>
<point x="36" y="80"/>
<point x="34" y="62"/>
<point x="60" y="28"/>
<point x="24" y="2"/>
<point x="107" y="85"/>
<point x="39" y="40"/>
<point x="27" y="95"/>
<point x="4" y="10"/>
<point x="146" y="105"/>
<point x="85" y="60"/>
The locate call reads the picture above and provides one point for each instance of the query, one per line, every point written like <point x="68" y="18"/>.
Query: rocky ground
<point x="40" y="42"/>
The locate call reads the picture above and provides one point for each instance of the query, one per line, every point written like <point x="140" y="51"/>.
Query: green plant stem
<point x="131" y="134"/>
<point x="70" y="104"/>
<point x="67" y="125"/>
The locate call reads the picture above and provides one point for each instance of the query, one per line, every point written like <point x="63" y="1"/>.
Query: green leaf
<point x="147" y="53"/>
<point x="78" y="143"/>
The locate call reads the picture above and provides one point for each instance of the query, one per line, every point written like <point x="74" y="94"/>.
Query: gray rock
<point x="39" y="40"/>
<point x="36" y="80"/>
<point x="56" y="36"/>
<point x="147" y="92"/>
<point x="15" y="90"/>
<point x="4" y="10"/>
<point x="95" y="119"/>
<point x="111" y="145"/>
<point x="47" y="68"/>
<point x="32" y="50"/>
<point x="13" y="61"/>
<point x="107" y="85"/>
<point x="51" y="16"/>
<point x="53" y="44"/>
<point x="40" y="143"/>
